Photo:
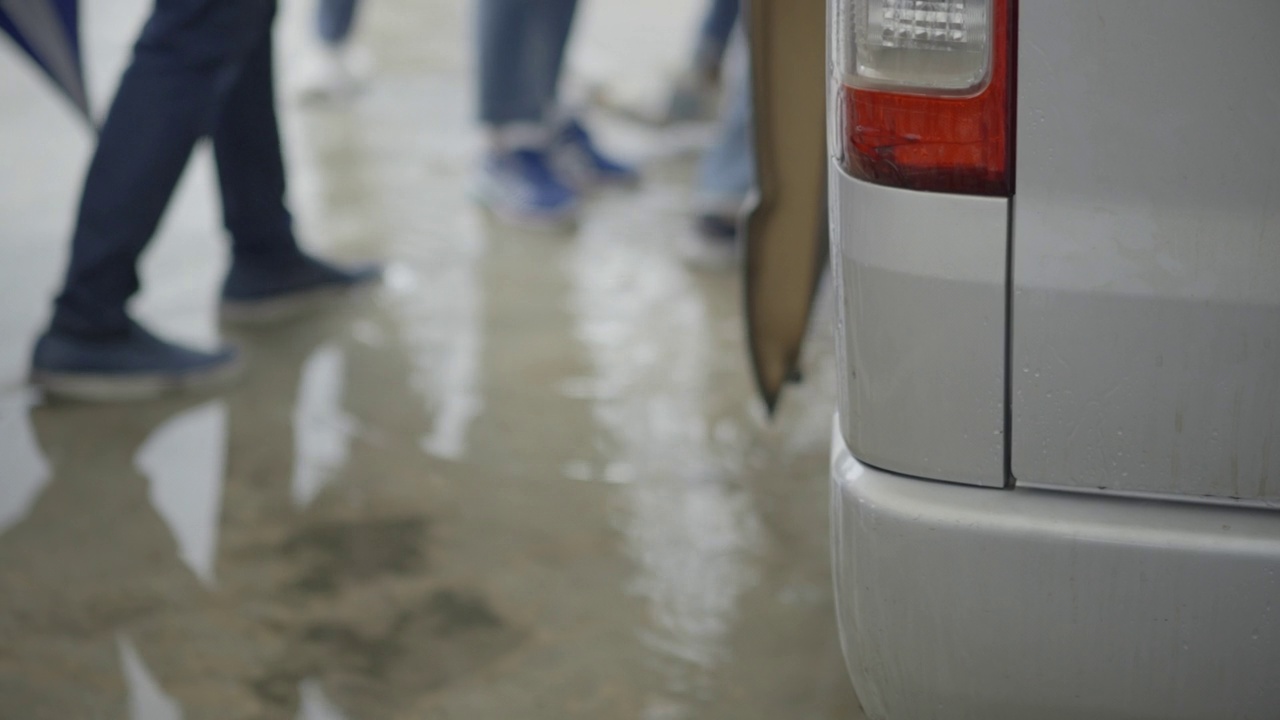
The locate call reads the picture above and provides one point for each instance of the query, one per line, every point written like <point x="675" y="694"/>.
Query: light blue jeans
<point x="334" y="20"/>
<point x="521" y="46"/>
<point x="727" y="170"/>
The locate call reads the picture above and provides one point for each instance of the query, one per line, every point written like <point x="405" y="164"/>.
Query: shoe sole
<point x="257" y="313"/>
<point x="106" y="388"/>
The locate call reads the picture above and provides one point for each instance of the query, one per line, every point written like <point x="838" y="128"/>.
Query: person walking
<point x="200" y="68"/>
<point x="540" y="158"/>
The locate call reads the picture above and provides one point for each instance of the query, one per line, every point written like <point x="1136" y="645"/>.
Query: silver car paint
<point x="1146" y="245"/>
<point x="960" y="603"/>
<point x="1145" y="361"/>
<point x="921" y="280"/>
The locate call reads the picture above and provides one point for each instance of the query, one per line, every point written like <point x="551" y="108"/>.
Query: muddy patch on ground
<point x="334" y="553"/>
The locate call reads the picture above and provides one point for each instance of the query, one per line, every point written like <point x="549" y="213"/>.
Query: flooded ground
<point x="527" y="479"/>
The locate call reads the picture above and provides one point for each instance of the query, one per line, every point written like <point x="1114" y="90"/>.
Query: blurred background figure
<point x="334" y="67"/>
<point x="726" y="171"/>
<point x="696" y="94"/>
<point x="539" y="159"/>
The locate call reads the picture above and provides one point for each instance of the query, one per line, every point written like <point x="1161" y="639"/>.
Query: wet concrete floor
<point x="526" y="479"/>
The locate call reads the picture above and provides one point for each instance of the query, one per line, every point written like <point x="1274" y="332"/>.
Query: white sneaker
<point x="333" y="73"/>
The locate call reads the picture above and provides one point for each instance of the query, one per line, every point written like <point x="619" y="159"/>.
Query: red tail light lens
<point x="923" y="94"/>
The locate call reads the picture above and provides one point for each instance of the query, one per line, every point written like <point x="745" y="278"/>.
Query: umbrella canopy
<point x="48" y="30"/>
<point x="786" y="233"/>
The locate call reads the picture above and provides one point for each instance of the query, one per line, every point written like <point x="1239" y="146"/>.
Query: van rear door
<point x="1145" y="351"/>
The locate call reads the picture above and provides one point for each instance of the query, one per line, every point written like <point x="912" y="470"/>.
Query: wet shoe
<point x="260" y="296"/>
<point x="519" y="187"/>
<point x="133" y="366"/>
<point x="715" y="245"/>
<point x="580" y="163"/>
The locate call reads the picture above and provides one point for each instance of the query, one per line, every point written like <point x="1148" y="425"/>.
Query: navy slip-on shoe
<point x="134" y="365"/>
<point x="263" y="295"/>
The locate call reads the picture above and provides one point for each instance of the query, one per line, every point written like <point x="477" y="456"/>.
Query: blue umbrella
<point x="48" y="31"/>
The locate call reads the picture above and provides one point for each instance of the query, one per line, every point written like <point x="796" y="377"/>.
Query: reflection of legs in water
<point x="324" y="514"/>
<point x="104" y="591"/>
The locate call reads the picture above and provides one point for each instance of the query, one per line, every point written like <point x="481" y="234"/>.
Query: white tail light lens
<point x="932" y="46"/>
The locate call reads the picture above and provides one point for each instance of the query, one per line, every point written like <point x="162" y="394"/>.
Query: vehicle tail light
<point x="923" y="95"/>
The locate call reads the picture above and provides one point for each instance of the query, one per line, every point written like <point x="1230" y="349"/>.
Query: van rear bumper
<point x="961" y="602"/>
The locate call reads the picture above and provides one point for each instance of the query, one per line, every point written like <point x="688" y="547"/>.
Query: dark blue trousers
<point x="202" y="68"/>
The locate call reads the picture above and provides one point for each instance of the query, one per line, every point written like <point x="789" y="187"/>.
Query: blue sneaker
<point x="580" y="163"/>
<point x="519" y="187"/>
<point x="135" y="365"/>
<point x="270" y="293"/>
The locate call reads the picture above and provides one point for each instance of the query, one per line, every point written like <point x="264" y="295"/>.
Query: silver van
<point x="1055" y="235"/>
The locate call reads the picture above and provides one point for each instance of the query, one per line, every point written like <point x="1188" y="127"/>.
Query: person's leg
<point x="510" y="86"/>
<point x="726" y="172"/>
<point x="516" y="75"/>
<point x="553" y="28"/>
<point x="251" y="175"/>
<point x="186" y="60"/>
<point x="696" y="93"/>
<point x="270" y="278"/>
<point x="717" y="28"/>
<point x="576" y="158"/>
<point x="334" y="20"/>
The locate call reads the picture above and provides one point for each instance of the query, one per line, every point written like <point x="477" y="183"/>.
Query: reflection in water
<point x="147" y="700"/>
<point x="314" y="704"/>
<point x="321" y="428"/>
<point x="690" y="531"/>
<point x="126" y="525"/>
<point x="324" y="609"/>
<point x="25" y="471"/>
<point x="185" y="462"/>
<point x="449" y="352"/>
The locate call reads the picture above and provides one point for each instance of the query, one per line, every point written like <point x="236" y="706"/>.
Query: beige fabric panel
<point x="787" y="230"/>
